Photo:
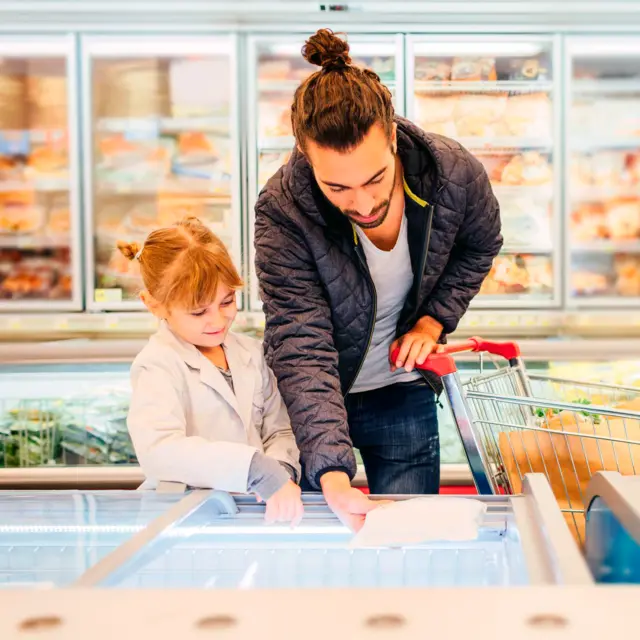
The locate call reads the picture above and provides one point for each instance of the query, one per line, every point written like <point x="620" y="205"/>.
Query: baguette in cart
<point x="512" y="423"/>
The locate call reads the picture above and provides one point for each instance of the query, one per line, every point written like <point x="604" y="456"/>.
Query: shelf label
<point x="107" y="296"/>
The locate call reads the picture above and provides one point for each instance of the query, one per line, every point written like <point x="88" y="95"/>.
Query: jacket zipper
<point x="423" y="262"/>
<point x="423" y="257"/>
<point x="372" y="289"/>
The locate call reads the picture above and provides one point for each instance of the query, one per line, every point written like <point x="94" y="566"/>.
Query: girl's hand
<point x="285" y="505"/>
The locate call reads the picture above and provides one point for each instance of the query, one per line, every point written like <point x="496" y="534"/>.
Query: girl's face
<point x="207" y="327"/>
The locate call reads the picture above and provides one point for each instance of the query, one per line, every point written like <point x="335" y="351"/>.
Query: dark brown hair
<point x="182" y="265"/>
<point x="336" y="106"/>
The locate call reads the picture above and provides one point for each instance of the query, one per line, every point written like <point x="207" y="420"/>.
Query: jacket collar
<point x="239" y="360"/>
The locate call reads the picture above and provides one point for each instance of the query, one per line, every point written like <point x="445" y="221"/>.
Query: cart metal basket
<point x="512" y="423"/>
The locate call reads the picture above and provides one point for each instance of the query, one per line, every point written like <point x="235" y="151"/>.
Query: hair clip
<point x="137" y="256"/>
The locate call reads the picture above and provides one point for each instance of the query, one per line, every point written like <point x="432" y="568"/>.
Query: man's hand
<point x="348" y="503"/>
<point x="416" y="345"/>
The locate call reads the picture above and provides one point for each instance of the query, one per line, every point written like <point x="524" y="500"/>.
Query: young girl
<point x="205" y="409"/>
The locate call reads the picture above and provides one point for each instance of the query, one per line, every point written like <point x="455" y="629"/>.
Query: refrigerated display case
<point x="209" y="539"/>
<point x="603" y="152"/>
<point x="276" y="68"/>
<point x="40" y="249"/>
<point x="498" y="97"/>
<point x="161" y="137"/>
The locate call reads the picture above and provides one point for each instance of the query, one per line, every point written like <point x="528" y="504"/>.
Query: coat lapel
<point x="244" y="380"/>
<point x="208" y="372"/>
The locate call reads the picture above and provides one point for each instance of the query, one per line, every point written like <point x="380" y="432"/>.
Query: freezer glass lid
<point x="217" y="551"/>
<point x="50" y="539"/>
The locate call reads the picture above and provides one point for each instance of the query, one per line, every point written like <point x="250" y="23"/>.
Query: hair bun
<point x="129" y="249"/>
<point x="325" y="49"/>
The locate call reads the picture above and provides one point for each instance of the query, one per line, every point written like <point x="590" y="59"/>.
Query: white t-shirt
<point x="392" y="276"/>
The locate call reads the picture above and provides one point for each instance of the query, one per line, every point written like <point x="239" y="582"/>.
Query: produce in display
<point x="529" y="169"/>
<point x="79" y="430"/>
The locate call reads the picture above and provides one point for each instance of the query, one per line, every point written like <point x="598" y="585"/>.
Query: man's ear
<point x="394" y="138"/>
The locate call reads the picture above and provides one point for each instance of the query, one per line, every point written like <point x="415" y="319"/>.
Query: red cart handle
<point x="442" y="363"/>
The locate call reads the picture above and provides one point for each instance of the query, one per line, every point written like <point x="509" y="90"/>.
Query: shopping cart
<point x="512" y="423"/>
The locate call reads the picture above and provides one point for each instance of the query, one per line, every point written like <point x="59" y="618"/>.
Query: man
<point x="375" y="236"/>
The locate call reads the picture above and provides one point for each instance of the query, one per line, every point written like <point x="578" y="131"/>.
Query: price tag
<point x="107" y="296"/>
<point x="62" y="324"/>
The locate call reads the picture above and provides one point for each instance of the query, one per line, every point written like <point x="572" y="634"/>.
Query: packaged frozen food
<point x="12" y="100"/>
<point x="435" y="108"/>
<point x="131" y="88"/>
<point x="588" y="222"/>
<point x="589" y="283"/>
<point x="527" y="69"/>
<point x="432" y="69"/>
<point x="274" y="117"/>
<point x="526" y="222"/>
<point x="479" y="115"/>
<point x="530" y="168"/>
<point x="59" y="220"/>
<point x="519" y="274"/>
<point x="47" y="101"/>
<point x="627" y="275"/>
<point x="528" y="115"/>
<point x="20" y="213"/>
<point x="494" y="165"/>
<point x="47" y="162"/>
<point x="623" y="219"/>
<point x="199" y="86"/>
<point x="269" y="163"/>
<point x="473" y="69"/>
<point x="28" y="279"/>
<point x="274" y="69"/>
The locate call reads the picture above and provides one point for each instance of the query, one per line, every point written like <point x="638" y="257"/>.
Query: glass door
<point x="161" y="132"/>
<point x="276" y="69"/>
<point x="39" y="214"/>
<point x="496" y="97"/>
<point x="603" y="198"/>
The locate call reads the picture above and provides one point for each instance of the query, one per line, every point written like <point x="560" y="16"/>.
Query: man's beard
<point x="379" y="213"/>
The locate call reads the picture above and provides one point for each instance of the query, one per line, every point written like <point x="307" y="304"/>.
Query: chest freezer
<point x="207" y="539"/>
<point x="612" y="545"/>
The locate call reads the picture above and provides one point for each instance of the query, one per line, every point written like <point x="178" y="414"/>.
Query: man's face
<point x="359" y="181"/>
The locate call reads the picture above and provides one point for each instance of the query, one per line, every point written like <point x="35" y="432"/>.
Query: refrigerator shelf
<point x="506" y="144"/>
<point x="579" y="143"/>
<point x="289" y="86"/>
<point x="606" y="246"/>
<point x="35" y="241"/>
<point x="42" y="185"/>
<point x="506" y="86"/>
<point x="166" y="125"/>
<point x="632" y="85"/>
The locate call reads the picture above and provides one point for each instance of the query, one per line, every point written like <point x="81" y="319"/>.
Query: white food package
<point x="420" y="520"/>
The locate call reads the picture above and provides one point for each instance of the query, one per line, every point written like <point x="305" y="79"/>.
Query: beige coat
<point x="188" y="426"/>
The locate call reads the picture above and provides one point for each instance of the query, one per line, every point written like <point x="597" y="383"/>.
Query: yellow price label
<point x="107" y="296"/>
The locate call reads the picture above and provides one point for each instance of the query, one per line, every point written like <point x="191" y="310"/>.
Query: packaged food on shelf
<point x="607" y="169"/>
<point x="627" y="275"/>
<point x="480" y="115"/>
<point x="435" y="113"/>
<point x="12" y="98"/>
<point x="59" y="218"/>
<point x="199" y="87"/>
<point x="131" y="88"/>
<point x="473" y="69"/>
<point x="275" y="69"/>
<point x="274" y="117"/>
<point x="133" y="164"/>
<point x="623" y="219"/>
<point x="20" y="212"/>
<point x="529" y="168"/>
<point x="29" y="278"/>
<point x="526" y="70"/>
<point x="47" y="99"/>
<point x="48" y="162"/>
<point x="601" y="118"/>
<point x="519" y="274"/>
<point x="528" y="115"/>
<point x="588" y="222"/>
<point x="526" y="222"/>
<point x="433" y="69"/>
<point x="385" y="67"/>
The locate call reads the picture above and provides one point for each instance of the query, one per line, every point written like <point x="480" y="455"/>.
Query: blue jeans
<point x="396" y="430"/>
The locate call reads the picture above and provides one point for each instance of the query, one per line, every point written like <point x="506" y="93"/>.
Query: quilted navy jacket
<point x="318" y="296"/>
